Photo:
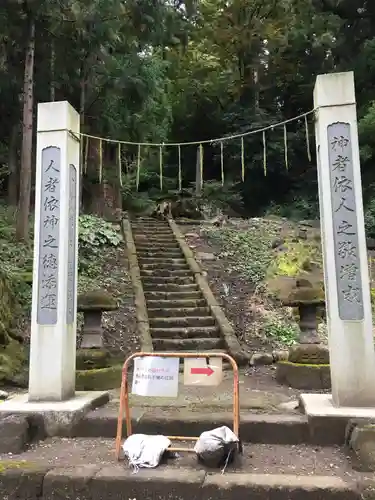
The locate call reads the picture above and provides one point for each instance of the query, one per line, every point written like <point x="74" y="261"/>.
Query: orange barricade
<point x="124" y="396"/>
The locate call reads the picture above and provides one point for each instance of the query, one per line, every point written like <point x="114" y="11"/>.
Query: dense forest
<point x="175" y="71"/>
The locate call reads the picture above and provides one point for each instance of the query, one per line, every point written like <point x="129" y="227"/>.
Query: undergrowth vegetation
<point x="96" y="238"/>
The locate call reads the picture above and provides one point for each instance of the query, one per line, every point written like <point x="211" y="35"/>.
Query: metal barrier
<point x="124" y="396"/>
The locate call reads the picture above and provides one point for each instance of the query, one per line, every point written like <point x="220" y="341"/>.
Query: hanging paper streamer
<point x="286" y="147"/>
<point x="86" y="155"/>
<point x="138" y="166"/>
<point x="179" y="170"/>
<point x="201" y="163"/>
<point x="119" y="163"/>
<point x="100" y="160"/>
<point x="242" y="160"/>
<point x="307" y="139"/>
<point x="222" y="162"/>
<point x="264" y="153"/>
<point x="161" y="167"/>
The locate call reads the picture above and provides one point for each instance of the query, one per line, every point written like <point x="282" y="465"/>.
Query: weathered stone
<point x="303" y="376"/>
<point x="313" y="354"/>
<point x="14" y="432"/>
<point x="261" y="359"/>
<point x="70" y="483"/>
<point x="205" y="256"/>
<point x="21" y="480"/>
<point x="280" y="355"/>
<point x="93" y="304"/>
<point x="88" y="359"/>
<point x="100" y="379"/>
<point x="3" y="395"/>
<point x="361" y="441"/>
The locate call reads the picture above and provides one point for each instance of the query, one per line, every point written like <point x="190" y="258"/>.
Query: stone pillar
<point x="346" y="276"/>
<point x="54" y="301"/>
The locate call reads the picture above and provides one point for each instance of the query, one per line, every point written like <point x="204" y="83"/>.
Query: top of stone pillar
<point x="334" y="89"/>
<point x="58" y="115"/>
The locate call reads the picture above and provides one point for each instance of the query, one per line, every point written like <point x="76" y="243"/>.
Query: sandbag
<point x="214" y="448"/>
<point x="145" y="451"/>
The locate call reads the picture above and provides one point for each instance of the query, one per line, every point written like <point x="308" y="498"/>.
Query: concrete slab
<point x="327" y="422"/>
<point x="321" y="405"/>
<point x="56" y="417"/>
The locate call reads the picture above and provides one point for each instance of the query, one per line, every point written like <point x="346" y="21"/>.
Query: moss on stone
<point x="100" y="379"/>
<point x="96" y="300"/>
<point x="315" y="366"/>
<point x="16" y="464"/>
<point x="12" y="360"/>
<point x="309" y="354"/>
<point x="87" y="359"/>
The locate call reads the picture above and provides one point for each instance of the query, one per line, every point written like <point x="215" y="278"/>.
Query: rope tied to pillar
<point x="201" y="163"/>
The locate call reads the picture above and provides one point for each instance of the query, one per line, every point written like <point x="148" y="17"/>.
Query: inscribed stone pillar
<point x="54" y="301"/>
<point x="346" y="276"/>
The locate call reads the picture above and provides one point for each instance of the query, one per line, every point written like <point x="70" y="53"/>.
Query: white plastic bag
<point x="145" y="451"/>
<point x="215" y="447"/>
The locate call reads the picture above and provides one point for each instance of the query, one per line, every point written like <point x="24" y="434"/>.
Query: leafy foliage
<point x="251" y="250"/>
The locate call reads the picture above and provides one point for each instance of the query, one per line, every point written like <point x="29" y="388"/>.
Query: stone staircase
<point x="178" y="314"/>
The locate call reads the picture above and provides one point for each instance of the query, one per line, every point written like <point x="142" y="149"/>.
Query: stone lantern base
<point x="307" y="368"/>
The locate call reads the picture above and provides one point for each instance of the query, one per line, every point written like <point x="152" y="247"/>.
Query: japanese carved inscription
<point x="345" y="227"/>
<point x="49" y="237"/>
<point x="71" y="283"/>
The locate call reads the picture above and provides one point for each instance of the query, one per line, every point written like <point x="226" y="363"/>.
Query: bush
<point x="95" y="233"/>
<point x="282" y="332"/>
<point x="370" y="219"/>
<point x="298" y="209"/>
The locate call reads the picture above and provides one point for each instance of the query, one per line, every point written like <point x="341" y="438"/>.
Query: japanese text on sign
<point x="156" y="377"/>
<point x="348" y="271"/>
<point x="49" y="237"/>
<point x="72" y="221"/>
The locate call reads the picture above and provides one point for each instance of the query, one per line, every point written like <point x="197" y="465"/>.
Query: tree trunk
<point x="22" y="228"/>
<point x="83" y="143"/>
<point x="13" y="166"/>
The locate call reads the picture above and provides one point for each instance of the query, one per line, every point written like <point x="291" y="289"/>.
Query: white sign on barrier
<point x="156" y="377"/>
<point x="199" y="371"/>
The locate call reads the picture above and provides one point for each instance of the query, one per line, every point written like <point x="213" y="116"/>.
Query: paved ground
<point x="257" y="458"/>
<point x="255" y="395"/>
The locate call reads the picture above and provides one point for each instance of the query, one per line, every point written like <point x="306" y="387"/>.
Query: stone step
<point x="192" y="332"/>
<point x="177" y="303"/>
<point x="180" y="312"/>
<point x="150" y="227"/>
<point x="181" y="322"/>
<point x="156" y="246"/>
<point x="174" y="253"/>
<point x="173" y="295"/>
<point x="169" y="287"/>
<point x="167" y="273"/>
<point x="142" y="238"/>
<point x="158" y="267"/>
<point x="197" y="344"/>
<point x="163" y="261"/>
<point x="152" y="230"/>
<point x="280" y="429"/>
<point x="164" y="280"/>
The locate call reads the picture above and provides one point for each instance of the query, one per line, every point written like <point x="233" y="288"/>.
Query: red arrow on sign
<point x="202" y="371"/>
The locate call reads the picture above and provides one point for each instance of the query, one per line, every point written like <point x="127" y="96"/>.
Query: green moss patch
<point x="303" y="376"/>
<point x="87" y="359"/>
<point x="96" y="300"/>
<point x="99" y="380"/>
<point x="16" y="464"/>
